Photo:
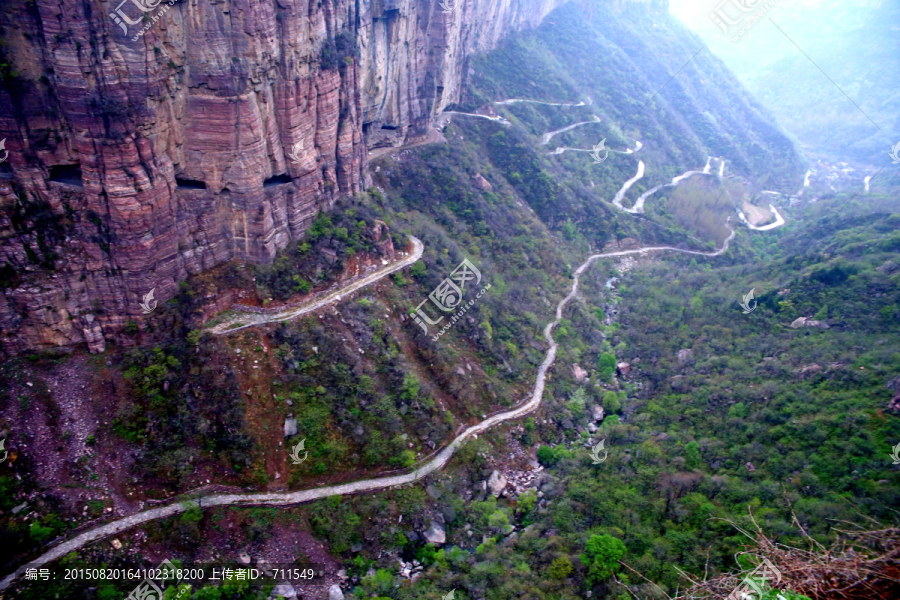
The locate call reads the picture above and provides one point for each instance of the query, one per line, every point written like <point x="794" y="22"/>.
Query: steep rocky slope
<point x="138" y="159"/>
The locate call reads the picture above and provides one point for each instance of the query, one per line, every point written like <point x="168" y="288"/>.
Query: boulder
<point x="888" y="267"/>
<point x="684" y="355"/>
<point x="435" y="534"/>
<point x="623" y="368"/>
<point x="285" y="590"/>
<point x="800" y="322"/>
<point x="290" y="426"/>
<point x="809" y="370"/>
<point x="481" y="183"/>
<point x="497" y="483"/>
<point x="579" y="373"/>
<point x="597" y="412"/>
<point x="894" y="386"/>
<point x="335" y="593"/>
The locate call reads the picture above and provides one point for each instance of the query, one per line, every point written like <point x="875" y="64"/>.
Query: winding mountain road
<point x="498" y="118"/>
<point x="779" y="220"/>
<point x="515" y="100"/>
<point x="638" y="207"/>
<point x="366" y="485"/>
<point x="545" y="139"/>
<point x="243" y="320"/>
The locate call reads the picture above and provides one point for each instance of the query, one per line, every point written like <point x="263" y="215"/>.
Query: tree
<point x="546" y="456"/>
<point x="607" y="366"/>
<point x="692" y="455"/>
<point x="822" y="314"/>
<point x="560" y="568"/>
<point x="577" y="401"/>
<point x="611" y="403"/>
<point x="602" y="554"/>
<point x="410" y="389"/>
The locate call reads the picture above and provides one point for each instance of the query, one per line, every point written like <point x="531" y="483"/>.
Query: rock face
<point x="137" y="160"/>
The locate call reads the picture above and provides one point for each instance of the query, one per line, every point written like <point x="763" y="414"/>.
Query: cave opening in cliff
<point x="190" y="184"/>
<point x="68" y="174"/>
<point x="277" y="180"/>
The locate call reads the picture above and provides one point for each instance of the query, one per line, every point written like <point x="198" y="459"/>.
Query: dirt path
<point x="367" y="485"/>
<point x="242" y="320"/>
<point x="431" y="136"/>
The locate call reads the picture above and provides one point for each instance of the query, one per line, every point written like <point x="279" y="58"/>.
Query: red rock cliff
<point x="138" y="159"/>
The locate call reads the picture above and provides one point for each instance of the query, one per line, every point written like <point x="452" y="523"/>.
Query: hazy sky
<point x="763" y="43"/>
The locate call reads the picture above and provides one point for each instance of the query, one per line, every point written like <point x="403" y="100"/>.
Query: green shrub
<point x="546" y="456"/>
<point x="560" y="568"/>
<point x="607" y="366"/>
<point x="601" y="555"/>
